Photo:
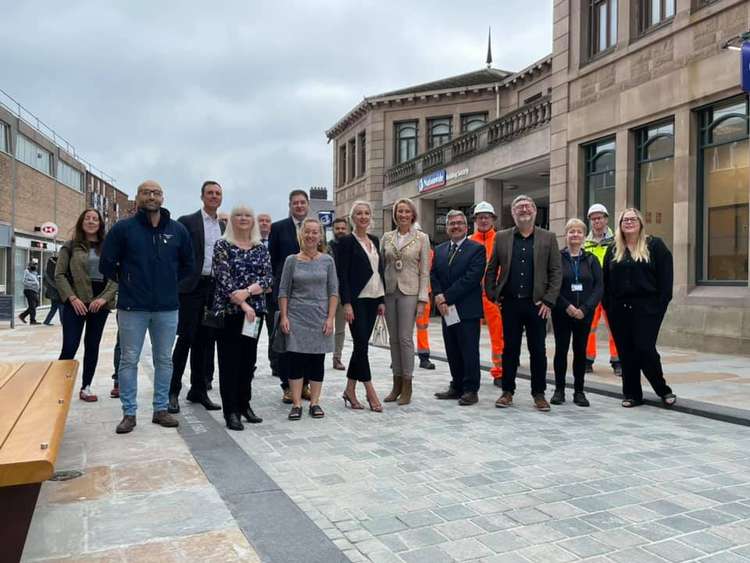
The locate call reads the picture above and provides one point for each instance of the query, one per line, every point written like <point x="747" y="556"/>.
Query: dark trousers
<point x="462" y="348"/>
<point x="279" y="362"/>
<point x="635" y="334"/>
<point x="72" y="329"/>
<point x="566" y="327"/>
<point x="54" y="306"/>
<point x="519" y="315"/>
<point x="193" y="338"/>
<point x="365" y="314"/>
<point x="237" y="358"/>
<point x="32" y="302"/>
<point x="306" y="366"/>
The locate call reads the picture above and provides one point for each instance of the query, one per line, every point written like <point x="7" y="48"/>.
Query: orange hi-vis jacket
<point x="423" y="323"/>
<point x="491" y="311"/>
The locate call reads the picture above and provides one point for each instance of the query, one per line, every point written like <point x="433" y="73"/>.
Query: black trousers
<point x="54" y="306"/>
<point x="635" y="334"/>
<point x="72" y="329"/>
<point x="32" y="302"/>
<point x="237" y="357"/>
<point x="566" y="327"/>
<point x="462" y="348"/>
<point x="279" y="362"/>
<point x="309" y="367"/>
<point x="365" y="314"/>
<point x="193" y="339"/>
<point x="519" y="315"/>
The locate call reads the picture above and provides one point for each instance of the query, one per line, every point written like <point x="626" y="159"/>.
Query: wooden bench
<point x="34" y="402"/>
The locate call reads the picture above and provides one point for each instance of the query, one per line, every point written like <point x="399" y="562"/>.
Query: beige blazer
<point x="414" y="277"/>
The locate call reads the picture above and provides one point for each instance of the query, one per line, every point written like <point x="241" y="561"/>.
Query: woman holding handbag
<point x="308" y="295"/>
<point x="242" y="274"/>
<point x="406" y="255"/>
<point x="361" y="283"/>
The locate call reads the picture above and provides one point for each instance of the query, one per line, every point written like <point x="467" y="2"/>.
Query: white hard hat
<point x="484" y="207"/>
<point x="597" y="208"/>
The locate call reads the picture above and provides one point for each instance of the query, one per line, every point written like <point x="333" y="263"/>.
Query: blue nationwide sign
<point x="745" y="71"/>
<point x="432" y="181"/>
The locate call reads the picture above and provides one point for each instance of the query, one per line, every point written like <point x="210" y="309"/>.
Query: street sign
<point x="325" y="218"/>
<point x="745" y="70"/>
<point x="49" y="229"/>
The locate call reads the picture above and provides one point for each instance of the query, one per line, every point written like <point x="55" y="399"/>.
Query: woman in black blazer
<point x="361" y="286"/>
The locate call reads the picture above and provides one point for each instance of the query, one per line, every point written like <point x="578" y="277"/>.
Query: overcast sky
<point x="239" y="91"/>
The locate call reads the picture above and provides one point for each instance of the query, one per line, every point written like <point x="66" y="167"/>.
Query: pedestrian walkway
<point x="428" y="482"/>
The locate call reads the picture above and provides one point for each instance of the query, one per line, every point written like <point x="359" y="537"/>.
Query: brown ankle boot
<point x="396" y="391"/>
<point x="405" y="398"/>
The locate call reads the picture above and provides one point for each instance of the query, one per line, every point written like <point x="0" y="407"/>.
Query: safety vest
<point x="599" y="249"/>
<point x="487" y="239"/>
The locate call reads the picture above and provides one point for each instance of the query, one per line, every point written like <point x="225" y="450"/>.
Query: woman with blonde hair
<point x="580" y="293"/>
<point x="308" y="295"/>
<point x="406" y="256"/>
<point x="638" y="277"/>
<point x="360" y="271"/>
<point x="242" y="274"/>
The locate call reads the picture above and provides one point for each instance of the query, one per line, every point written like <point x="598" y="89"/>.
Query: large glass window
<point x="362" y="153"/>
<point x="472" y="121"/>
<point x="655" y="179"/>
<point x="724" y="192"/>
<point x="602" y="25"/>
<point x="406" y="141"/>
<point x="438" y="131"/>
<point x="28" y="152"/>
<point x="351" y="154"/>
<point x="69" y="176"/>
<point x="4" y="137"/>
<point x="653" y="12"/>
<point x="600" y="174"/>
<point x="342" y="165"/>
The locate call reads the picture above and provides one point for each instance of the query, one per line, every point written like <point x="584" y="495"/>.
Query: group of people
<point x="211" y="283"/>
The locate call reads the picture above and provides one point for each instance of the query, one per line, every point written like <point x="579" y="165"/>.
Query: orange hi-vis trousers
<point x="591" y="344"/>
<point x="423" y="332"/>
<point x="494" y="322"/>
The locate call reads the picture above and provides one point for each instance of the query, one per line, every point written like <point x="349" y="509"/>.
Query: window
<point x="350" y="158"/>
<point x="654" y="12"/>
<point x="655" y="179"/>
<point x="600" y="174"/>
<point x="724" y="177"/>
<point x="362" y="158"/>
<point x="28" y="152"/>
<point x="69" y="176"/>
<point x="438" y="131"/>
<point x="406" y="141"/>
<point x="342" y="165"/>
<point x="4" y="137"/>
<point x="472" y="121"/>
<point x="602" y="25"/>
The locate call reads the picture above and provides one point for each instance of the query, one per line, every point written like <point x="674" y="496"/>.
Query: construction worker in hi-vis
<point x="423" y="328"/>
<point x="600" y="237"/>
<point x="484" y="233"/>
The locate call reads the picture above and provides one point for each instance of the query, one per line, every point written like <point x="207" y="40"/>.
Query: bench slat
<point x="22" y="457"/>
<point x="7" y="371"/>
<point x="15" y="395"/>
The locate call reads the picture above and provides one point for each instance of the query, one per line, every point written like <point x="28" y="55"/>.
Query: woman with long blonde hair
<point x="638" y="277"/>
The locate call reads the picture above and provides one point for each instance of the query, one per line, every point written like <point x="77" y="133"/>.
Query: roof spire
<point x="489" y="47"/>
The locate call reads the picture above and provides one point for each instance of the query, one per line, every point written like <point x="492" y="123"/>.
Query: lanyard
<point x="576" y="265"/>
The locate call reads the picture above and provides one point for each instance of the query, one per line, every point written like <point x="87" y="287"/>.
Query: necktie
<point x="452" y="252"/>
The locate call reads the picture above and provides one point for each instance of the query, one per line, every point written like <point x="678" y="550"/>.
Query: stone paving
<point x="430" y="482"/>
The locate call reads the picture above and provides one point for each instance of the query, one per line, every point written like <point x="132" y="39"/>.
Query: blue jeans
<point x="162" y="327"/>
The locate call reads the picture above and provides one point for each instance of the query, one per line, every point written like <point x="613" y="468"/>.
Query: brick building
<point x="111" y="202"/>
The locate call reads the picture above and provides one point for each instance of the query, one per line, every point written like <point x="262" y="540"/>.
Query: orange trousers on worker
<point x="591" y="344"/>
<point x="423" y="332"/>
<point x="494" y="322"/>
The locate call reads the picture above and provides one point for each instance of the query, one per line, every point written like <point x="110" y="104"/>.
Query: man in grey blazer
<point x="523" y="278"/>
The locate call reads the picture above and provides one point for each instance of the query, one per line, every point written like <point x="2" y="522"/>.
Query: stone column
<point x="426" y="215"/>
<point x="491" y="191"/>
<point x="683" y="190"/>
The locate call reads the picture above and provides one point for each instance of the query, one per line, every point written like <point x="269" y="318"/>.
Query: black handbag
<point x="211" y="319"/>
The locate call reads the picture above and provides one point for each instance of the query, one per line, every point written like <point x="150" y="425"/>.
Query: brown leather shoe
<point x="406" y="389"/>
<point x="126" y="424"/>
<point x="469" y="398"/>
<point x="450" y="394"/>
<point x="541" y="403"/>
<point x="286" y="398"/>
<point x="505" y="400"/>
<point x="396" y="391"/>
<point x="163" y="418"/>
<point x="306" y="393"/>
<point x="338" y="365"/>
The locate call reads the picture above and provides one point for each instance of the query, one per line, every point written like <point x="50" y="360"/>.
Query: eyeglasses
<point x="149" y="193"/>
<point x="457" y="223"/>
<point x="630" y="220"/>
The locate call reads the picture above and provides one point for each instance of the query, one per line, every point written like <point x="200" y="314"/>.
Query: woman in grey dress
<point x="308" y="294"/>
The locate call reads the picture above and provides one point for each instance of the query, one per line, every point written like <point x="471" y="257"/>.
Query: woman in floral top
<point x="242" y="273"/>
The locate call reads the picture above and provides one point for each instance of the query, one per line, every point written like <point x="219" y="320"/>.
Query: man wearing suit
<point x="456" y="278"/>
<point x="524" y="277"/>
<point x="196" y="292"/>
<point x="283" y="242"/>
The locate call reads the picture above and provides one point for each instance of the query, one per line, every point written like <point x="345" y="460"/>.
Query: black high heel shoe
<point x="250" y="416"/>
<point x="233" y="422"/>
<point x="352" y="404"/>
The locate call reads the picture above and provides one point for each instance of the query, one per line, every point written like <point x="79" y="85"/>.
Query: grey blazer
<point x="414" y="277"/>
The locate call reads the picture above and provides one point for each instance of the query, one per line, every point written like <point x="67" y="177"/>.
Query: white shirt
<point x="374" y="287"/>
<point x="211" y="233"/>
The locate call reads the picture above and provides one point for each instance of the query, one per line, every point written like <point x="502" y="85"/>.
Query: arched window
<point x="654" y="190"/>
<point x="600" y="174"/>
<point x="406" y="141"/>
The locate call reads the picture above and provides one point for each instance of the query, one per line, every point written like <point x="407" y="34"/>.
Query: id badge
<point x="576" y="287"/>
